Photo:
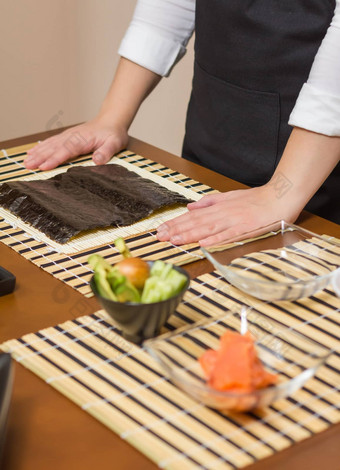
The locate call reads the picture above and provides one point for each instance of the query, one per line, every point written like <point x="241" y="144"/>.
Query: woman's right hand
<point x="96" y="136"/>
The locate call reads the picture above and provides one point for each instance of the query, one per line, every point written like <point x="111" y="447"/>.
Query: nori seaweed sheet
<point x="85" y="198"/>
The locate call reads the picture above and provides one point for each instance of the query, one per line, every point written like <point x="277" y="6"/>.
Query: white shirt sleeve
<point x="158" y="34"/>
<point x="318" y="105"/>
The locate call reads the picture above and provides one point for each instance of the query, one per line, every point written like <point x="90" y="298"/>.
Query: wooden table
<point x="46" y="430"/>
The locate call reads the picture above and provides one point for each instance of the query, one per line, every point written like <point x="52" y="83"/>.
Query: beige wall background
<point x="57" y="61"/>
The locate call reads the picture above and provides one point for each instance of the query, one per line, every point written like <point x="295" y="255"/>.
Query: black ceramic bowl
<point x="141" y="321"/>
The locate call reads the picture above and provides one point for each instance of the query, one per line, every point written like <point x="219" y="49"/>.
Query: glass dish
<point x="286" y="263"/>
<point x="283" y="351"/>
<point x="336" y="282"/>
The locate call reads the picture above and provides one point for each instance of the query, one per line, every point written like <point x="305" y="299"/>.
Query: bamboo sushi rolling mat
<point x="69" y="262"/>
<point x="122" y="386"/>
<point x="119" y="383"/>
<point x="12" y="168"/>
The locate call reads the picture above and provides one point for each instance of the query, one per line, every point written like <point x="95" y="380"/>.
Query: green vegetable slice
<point x="164" y="281"/>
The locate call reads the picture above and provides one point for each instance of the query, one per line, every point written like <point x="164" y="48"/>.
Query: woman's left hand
<point x="218" y="218"/>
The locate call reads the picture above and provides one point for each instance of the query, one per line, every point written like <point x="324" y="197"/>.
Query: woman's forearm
<point x="131" y="85"/>
<point x="307" y="161"/>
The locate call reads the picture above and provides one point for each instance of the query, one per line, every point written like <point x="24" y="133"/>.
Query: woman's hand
<point x="94" y="136"/>
<point x="307" y="161"/>
<point x="107" y="133"/>
<point x="222" y="217"/>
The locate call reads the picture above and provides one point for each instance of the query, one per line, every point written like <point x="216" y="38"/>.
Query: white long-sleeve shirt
<point x="160" y="30"/>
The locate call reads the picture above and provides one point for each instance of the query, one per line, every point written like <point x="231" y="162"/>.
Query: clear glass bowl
<point x="283" y="351"/>
<point x="286" y="263"/>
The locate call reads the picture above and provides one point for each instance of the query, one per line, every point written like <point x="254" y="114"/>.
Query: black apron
<point x="251" y="60"/>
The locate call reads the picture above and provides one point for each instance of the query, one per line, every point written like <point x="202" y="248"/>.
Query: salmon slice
<point x="235" y="366"/>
